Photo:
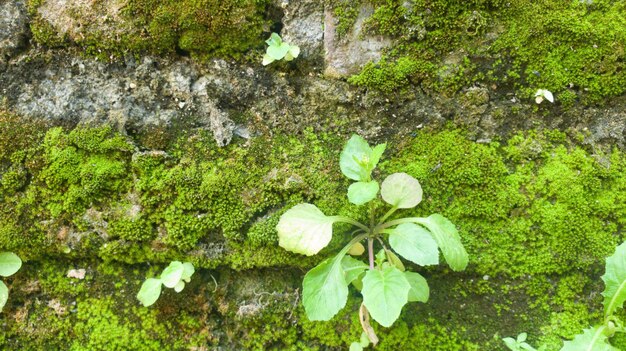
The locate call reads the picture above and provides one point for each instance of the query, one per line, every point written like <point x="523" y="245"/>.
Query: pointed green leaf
<point x="414" y="243"/>
<point x="385" y="293"/>
<point x="592" y="339"/>
<point x="615" y="280"/>
<point x="401" y="190"/>
<point x="353" y="268"/>
<point x="419" y="287"/>
<point x="294" y="51"/>
<point x="267" y="59"/>
<point x="9" y="263"/>
<point x="324" y="290"/>
<point x="357" y="159"/>
<point x="179" y="287"/>
<point x="380" y="257"/>
<point x="522" y="337"/>
<point x="360" y="193"/>
<point x="511" y="343"/>
<point x="274" y="40"/>
<point x="394" y="260"/>
<point x="377" y="152"/>
<point x="149" y="292"/>
<point x="188" y="271"/>
<point x="448" y="240"/>
<point x="172" y="274"/>
<point x="277" y="52"/>
<point x="4" y="295"/>
<point x="304" y="229"/>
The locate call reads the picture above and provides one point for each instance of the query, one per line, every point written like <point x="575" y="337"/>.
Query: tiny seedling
<point x="278" y="50"/>
<point x="173" y="276"/>
<point x="597" y="338"/>
<point x="520" y="344"/>
<point x="384" y="282"/>
<point x="9" y="264"/>
<point x="542" y="94"/>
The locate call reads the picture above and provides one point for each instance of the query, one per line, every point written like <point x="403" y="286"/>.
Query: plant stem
<point x="389" y="213"/>
<point x="379" y="228"/>
<point x="351" y="221"/>
<point x="370" y="251"/>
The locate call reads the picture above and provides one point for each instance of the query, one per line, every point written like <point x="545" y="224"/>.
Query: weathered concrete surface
<point x="14" y="30"/>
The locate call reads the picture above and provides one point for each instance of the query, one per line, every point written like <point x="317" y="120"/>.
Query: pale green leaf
<point x="9" y="263"/>
<point x="592" y="339"/>
<point x="414" y="243"/>
<point x="304" y="229"/>
<point x="360" y="193"/>
<point x="511" y="344"/>
<point x="401" y="190"/>
<point x="324" y="290"/>
<point x="448" y="240"/>
<point x="380" y="257"/>
<point x="4" y="295"/>
<point x="377" y="152"/>
<point x="179" y="287"/>
<point x="274" y="40"/>
<point x="267" y="59"/>
<point x="419" y="287"/>
<point x="294" y="51"/>
<point x="615" y="280"/>
<point x="355" y="160"/>
<point x="357" y="249"/>
<point x="277" y="52"/>
<point x="353" y="268"/>
<point x="355" y="346"/>
<point x="172" y="274"/>
<point x="149" y="292"/>
<point x="364" y="341"/>
<point x="522" y="337"/>
<point x="385" y="292"/>
<point x="188" y="271"/>
<point x="394" y="260"/>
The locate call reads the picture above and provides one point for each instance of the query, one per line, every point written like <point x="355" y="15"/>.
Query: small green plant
<point x="597" y="338"/>
<point x="520" y="344"/>
<point x="173" y="276"/>
<point x="278" y="50"/>
<point x="9" y="264"/>
<point x="384" y="282"/>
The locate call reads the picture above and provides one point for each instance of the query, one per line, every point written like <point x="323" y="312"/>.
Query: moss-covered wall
<point x="538" y="214"/>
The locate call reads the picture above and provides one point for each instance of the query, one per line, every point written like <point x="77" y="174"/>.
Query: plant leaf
<point x="355" y="346"/>
<point x="274" y="40"/>
<point x="615" y="280"/>
<point x="353" y="268"/>
<point x="385" y="292"/>
<point x="401" y="190"/>
<point x="324" y="289"/>
<point x="364" y="340"/>
<point x="511" y="344"/>
<point x="357" y="159"/>
<point x="592" y="339"/>
<point x="394" y="260"/>
<point x="267" y="59"/>
<point x="4" y="295"/>
<point x="277" y="52"/>
<point x="357" y="249"/>
<point x="448" y="240"/>
<point x="149" y="292"/>
<point x="304" y="229"/>
<point x="179" y="287"/>
<point x="294" y="51"/>
<point x="419" y="287"/>
<point x="172" y="274"/>
<point x="9" y="263"/>
<point x="414" y="243"/>
<point x="364" y="319"/>
<point x="360" y="193"/>
<point x="188" y="271"/>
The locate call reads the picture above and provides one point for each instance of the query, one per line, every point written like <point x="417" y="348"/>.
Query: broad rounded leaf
<point x="4" y="295"/>
<point x="592" y="339"/>
<point x="615" y="280"/>
<point x="353" y="268"/>
<point x="414" y="243"/>
<point x="355" y="346"/>
<point x="448" y="240"/>
<point x="277" y="52"/>
<point x="360" y="193"/>
<point x="9" y="263"/>
<point x="188" y="271"/>
<point x="401" y="190"/>
<point x="179" y="287"/>
<point x="419" y="287"/>
<point x="324" y="290"/>
<point x="149" y="292"/>
<point x="384" y="294"/>
<point x="357" y="159"/>
<point x="304" y="229"/>
<point x="172" y="274"/>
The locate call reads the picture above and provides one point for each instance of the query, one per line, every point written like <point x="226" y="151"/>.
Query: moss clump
<point x="220" y="28"/>
<point x="573" y="48"/>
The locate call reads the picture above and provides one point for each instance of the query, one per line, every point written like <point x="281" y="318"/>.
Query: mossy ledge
<point x="537" y="213"/>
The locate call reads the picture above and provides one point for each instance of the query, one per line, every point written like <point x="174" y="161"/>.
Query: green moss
<point x="571" y="48"/>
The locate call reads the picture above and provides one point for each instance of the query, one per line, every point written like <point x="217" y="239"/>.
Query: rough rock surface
<point x="303" y="25"/>
<point x="14" y="30"/>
